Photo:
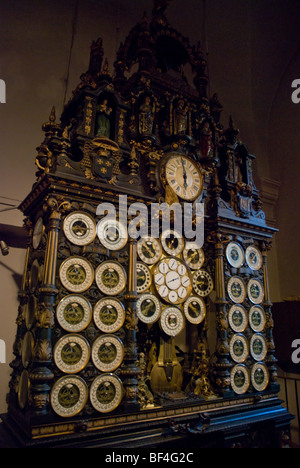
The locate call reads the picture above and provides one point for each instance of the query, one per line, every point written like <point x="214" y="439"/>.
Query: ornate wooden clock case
<point x="118" y="336"/>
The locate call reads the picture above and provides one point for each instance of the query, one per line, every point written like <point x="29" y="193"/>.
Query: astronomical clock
<point x="145" y="333"/>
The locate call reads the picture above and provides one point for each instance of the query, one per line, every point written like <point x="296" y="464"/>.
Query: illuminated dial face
<point x="148" y="308"/>
<point x="194" y="257"/>
<point x="110" y="278"/>
<point x="76" y="274"/>
<point x="237" y="318"/>
<point x="79" y="228"/>
<point x="172" y="242"/>
<point x="236" y="289"/>
<point x="239" y="348"/>
<point x="109" y="315"/>
<point x="149" y="250"/>
<point x="172" y="321"/>
<point x="172" y="280"/>
<point x="71" y="353"/>
<point x="107" y="353"/>
<point x="202" y="283"/>
<point x="106" y="393"/>
<point x="240" y="379"/>
<point x="255" y="291"/>
<point x="194" y="309"/>
<point x="253" y="258"/>
<point x="112" y="234"/>
<point x="235" y="254"/>
<point x="69" y="396"/>
<point x="184" y="177"/>
<point x="259" y="376"/>
<point x="74" y="313"/>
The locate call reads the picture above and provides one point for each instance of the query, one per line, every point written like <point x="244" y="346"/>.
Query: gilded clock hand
<point x="184" y="175"/>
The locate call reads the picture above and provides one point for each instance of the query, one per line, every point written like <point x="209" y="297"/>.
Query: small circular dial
<point x="149" y="250"/>
<point x="69" y="395"/>
<point x="79" y="228"/>
<point x="193" y="257"/>
<point x="258" y="347"/>
<point x="109" y="315"/>
<point x="183" y="176"/>
<point x="71" y="353"/>
<point x="38" y="232"/>
<point x="148" y="308"/>
<point x="236" y="289"/>
<point x="255" y="291"/>
<point x="239" y="348"/>
<point x="237" y="318"/>
<point x="106" y="393"/>
<point x="257" y="318"/>
<point x="112" y="234"/>
<point x="143" y="277"/>
<point x="202" y="283"/>
<point x="235" y="254"/>
<point x="76" y="274"/>
<point x="240" y="379"/>
<point x="74" y="313"/>
<point x="110" y="278"/>
<point x="172" y="321"/>
<point x="194" y="309"/>
<point x="107" y="353"/>
<point x="253" y="258"/>
<point x="172" y="242"/>
<point x="259" y="376"/>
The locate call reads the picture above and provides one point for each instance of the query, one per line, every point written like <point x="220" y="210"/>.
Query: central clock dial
<point x="172" y="280"/>
<point x="184" y="177"/>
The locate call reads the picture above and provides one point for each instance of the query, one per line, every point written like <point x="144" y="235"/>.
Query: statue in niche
<point x="206" y="143"/>
<point x="103" y="118"/>
<point x="146" y="116"/>
<point x="180" y="118"/>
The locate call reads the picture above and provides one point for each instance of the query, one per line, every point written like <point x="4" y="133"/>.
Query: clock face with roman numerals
<point x="184" y="177"/>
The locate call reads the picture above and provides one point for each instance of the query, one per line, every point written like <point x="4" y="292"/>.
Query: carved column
<point x="223" y="364"/>
<point x="41" y="374"/>
<point x="129" y="370"/>
<point x="270" y="358"/>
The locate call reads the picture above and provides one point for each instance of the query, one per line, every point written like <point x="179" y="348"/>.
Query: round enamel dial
<point x="172" y="242"/>
<point x="71" y="353"/>
<point x="193" y="257"/>
<point x="255" y="291"/>
<point x="202" y="283"/>
<point x="106" y="393"/>
<point x="184" y="177"/>
<point x="110" y="278"/>
<point x="259" y="376"/>
<point x="38" y="232"/>
<point x="172" y="321"/>
<point x="237" y="318"/>
<point x="69" y="395"/>
<point x="76" y="274"/>
<point x="149" y="250"/>
<point x="79" y="228"/>
<point x="239" y="379"/>
<point x="112" y="234"/>
<point x="239" y="348"/>
<point x="235" y="254"/>
<point x="23" y="389"/>
<point x="74" y="313"/>
<point x="109" y="314"/>
<point x="148" y="308"/>
<point x="253" y="258"/>
<point x="258" y="347"/>
<point x="143" y="277"/>
<point x="172" y="280"/>
<point x="107" y="353"/>
<point x="236" y="289"/>
<point x="257" y="318"/>
<point x="194" y="309"/>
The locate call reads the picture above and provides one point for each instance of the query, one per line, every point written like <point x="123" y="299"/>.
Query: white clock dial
<point x="76" y="274"/>
<point x="184" y="177"/>
<point x="172" y="242"/>
<point x="110" y="277"/>
<point x="79" y="228"/>
<point x="149" y="250"/>
<point x="112" y="234"/>
<point x="172" y="280"/>
<point x="38" y="232"/>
